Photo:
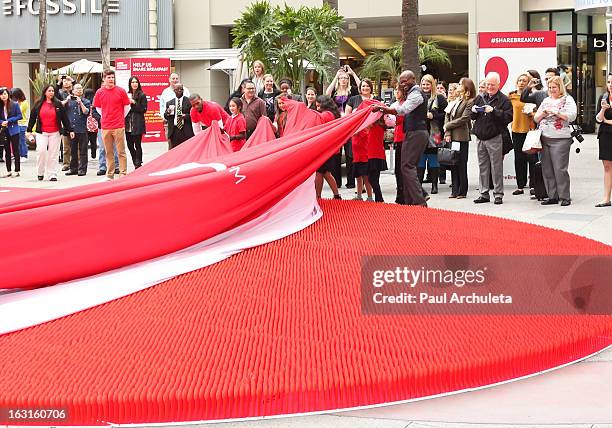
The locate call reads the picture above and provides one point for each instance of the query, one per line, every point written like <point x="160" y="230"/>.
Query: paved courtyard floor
<point x="578" y="396"/>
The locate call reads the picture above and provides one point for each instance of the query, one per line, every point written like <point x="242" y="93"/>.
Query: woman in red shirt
<point x="50" y="119"/>
<point x="328" y="111"/>
<point x="236" y="125"/>
<point x="377" y="158"/>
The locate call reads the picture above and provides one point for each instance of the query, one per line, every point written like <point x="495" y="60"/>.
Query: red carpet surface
<point x="278" y="330"/>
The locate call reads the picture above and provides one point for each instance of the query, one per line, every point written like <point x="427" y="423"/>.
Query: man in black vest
<point x="415" y="127"/>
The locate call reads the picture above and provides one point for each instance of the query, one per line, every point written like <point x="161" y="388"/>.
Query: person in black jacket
<point x="135" y="120"/>
<point x="178" y="117"/>
<point x="50" y="119"/>
<point x="435" y="123"/>
<point x="492" y="112"/>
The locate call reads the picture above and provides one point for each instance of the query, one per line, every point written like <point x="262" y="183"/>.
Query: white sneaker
<point x="15" y="174"/>
<point x="105" y="179"/>
<point x="7" y="175"/>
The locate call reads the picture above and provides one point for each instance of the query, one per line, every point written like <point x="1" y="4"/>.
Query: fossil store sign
<point x="57" y="7"/>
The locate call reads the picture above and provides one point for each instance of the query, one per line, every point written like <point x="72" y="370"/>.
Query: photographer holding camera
<point x="77" y="109"/>
<point x="555" y="115"/>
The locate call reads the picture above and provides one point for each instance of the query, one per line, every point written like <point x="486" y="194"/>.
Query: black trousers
<point x="134" y="143"/>
<point x="397" y="169"/>
<point x="522" y="160"/>
<point x="459" y="172"/>
<point x="78" y="152"/>
<point x="337" y="172"/>
<point x="93" y="143"/>
<point x="12" y="143"/>
<point x="413" y="147"/>
<point x="179" y="136"/>
<point x="374" y="179"/>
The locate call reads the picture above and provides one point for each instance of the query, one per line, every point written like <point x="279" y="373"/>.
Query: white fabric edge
<point x="27" y="308"/>
<point x="366" y="407"/>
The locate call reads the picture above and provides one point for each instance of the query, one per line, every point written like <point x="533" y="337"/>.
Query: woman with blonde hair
<point x="554" y="116"/>
<point x="521" y="124"/>
<point x="457" y="129"/>
<point x="435" y="123"/>
<point x="259" y="71"/>
<point x="340" y="90"/>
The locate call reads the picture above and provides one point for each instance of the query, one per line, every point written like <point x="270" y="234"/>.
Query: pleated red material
<point x="278" y="329"/>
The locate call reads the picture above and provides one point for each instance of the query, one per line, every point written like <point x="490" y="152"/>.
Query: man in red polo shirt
<point x="113" y="105"/>
<point x="203" y="113"/>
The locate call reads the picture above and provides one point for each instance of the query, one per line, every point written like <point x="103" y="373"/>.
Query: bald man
<point x="167" y="95"/>
<point x="414" y="110"/>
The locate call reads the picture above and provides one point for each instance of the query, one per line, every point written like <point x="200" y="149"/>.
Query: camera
<point x="73" y="97"/>
<point x="577" y="134"/>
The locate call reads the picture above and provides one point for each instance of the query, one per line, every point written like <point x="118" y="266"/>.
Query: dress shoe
<point x="498" y="201"/>
<point x="53" y="179"/>
<point x="565" y="202"/>
<point x="603" y="204"/>
<point x="452" y="197"/>
<point x="481" y="200"/>
<point x="71" y="173"/>
<point x="460" y="197"/>
<point x="81" y="173"/>
<point x="101" y="172"/>
<point x="66" y="168"/>
<point x="41" y="177"/>
<point x="518" y="192"/>
<point x="550" y="202"/>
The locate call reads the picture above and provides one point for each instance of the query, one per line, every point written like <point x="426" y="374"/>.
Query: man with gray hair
<point x="492" y="112"/>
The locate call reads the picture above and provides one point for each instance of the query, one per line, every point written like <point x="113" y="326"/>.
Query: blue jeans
<point x="102" y="153"/>
<point x="432" y="161"/>
<point x="23" y="147"/>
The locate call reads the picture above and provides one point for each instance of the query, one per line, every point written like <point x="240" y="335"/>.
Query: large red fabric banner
<point x="153" y="74"/>
<point x="182" y="198"/>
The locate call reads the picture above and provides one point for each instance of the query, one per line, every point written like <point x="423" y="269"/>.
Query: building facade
<point x="195" y="34"/>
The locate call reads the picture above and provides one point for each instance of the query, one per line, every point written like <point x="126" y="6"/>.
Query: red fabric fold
<point x="99" y="227"/>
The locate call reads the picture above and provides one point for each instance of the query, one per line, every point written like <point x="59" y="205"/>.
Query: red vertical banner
<point x="6" y="69"/>
<point x="153" y="74"/>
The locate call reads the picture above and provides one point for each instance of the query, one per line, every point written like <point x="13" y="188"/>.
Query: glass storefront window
<point x="583" y="24"/>
<point x="564" y="49"/>
<point x="539" y="22"/>
<point x="562" y="22"/>
<point x="599" y="24"/>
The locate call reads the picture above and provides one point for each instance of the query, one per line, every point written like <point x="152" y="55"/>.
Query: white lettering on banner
<point x="236" y="169"/>
<point x="599" y="44"/>
<point x="54" y="7"/>
<point x="517" y="40"/>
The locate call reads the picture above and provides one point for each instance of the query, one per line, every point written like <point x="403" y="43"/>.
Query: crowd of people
<point x="433" y="124"/>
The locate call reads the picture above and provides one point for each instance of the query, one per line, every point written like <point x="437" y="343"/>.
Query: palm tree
<point x="333" y="4"/>
<point x="410" y="36"/>
<point x="42" y="30"/>
<point x="104" y="37"/>
<point x="389" y="63"/>
<point x="288" y="40"/>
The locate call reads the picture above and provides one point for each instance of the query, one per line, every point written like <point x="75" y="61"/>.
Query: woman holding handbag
<point x="457" y="129"/>
<point x="435" y="122"/>
<point x="522" y="123"/>
<point x="555" y="115"/>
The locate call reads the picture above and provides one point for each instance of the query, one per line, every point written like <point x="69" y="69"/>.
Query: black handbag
<point x="506" y="141"/>
<point x="447" y="157"/>
<point x="3" y="136"/>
